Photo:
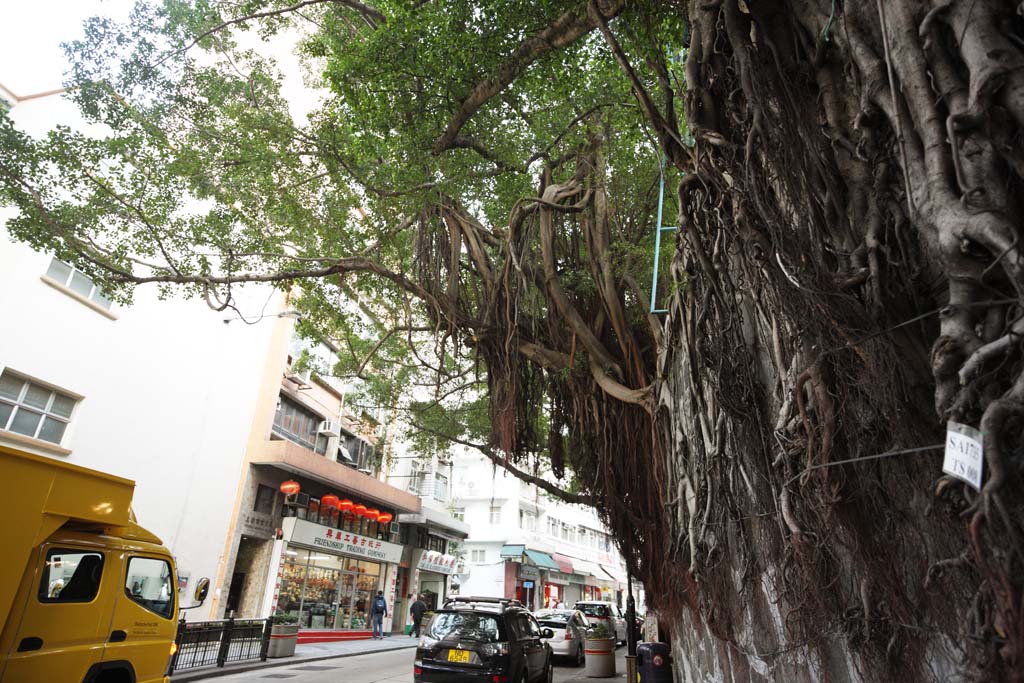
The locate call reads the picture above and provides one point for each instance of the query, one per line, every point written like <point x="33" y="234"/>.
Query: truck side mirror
<point x="202" y="588"/>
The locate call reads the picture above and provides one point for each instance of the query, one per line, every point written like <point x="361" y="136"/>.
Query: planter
<point x="600" y="657"/>
<point x="282" y="640"/>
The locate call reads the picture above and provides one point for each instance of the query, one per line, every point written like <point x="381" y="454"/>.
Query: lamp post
<point x="631" y="673"/>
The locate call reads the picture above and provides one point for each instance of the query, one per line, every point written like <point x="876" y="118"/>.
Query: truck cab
<point x="88" y="594"/>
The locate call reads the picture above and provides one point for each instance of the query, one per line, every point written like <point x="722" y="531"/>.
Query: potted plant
<point x="284" y="634"/>
<point x="599" y="644"/>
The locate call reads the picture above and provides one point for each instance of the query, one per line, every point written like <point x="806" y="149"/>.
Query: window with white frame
<point x="34" y="410"/>
<point x="78" y="282"/>
<point x="553" y="526"/>
<point x="418" y="478"/>
<point x="440" y="487"/>
<point x="459" y="514"/>
<point x="495" y="514"/>
<point x="565" y="532"/>
<point x="478" y="556"/>
<point x="530" y="521"/>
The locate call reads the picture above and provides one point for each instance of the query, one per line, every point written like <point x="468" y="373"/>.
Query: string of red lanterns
<point x="343" y="505"/>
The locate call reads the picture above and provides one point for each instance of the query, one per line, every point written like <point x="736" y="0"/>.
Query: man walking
<point x="378" y="610"/>
<point x="417" y="610"/>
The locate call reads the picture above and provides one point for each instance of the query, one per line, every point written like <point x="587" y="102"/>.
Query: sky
<point x="31" y="59"/>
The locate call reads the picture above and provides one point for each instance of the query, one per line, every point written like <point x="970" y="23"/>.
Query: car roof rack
<point x="501" y="603"/>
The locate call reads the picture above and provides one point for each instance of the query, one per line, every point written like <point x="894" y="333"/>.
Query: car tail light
<point x="418" y="671"/>
<point x="568" y="633"/>
<point x="499" y="679"/>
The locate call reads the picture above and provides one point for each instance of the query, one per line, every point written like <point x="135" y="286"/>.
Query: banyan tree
<point x="464" y="197"/>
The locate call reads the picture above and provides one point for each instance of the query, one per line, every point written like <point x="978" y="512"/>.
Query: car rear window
<point x="594" y="610"/>
<point x="479" y="627"/>
<point x="548" y="616"/>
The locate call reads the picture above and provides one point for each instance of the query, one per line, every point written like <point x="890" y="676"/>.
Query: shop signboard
<point x="343" y="542"/>
<point x="433" y="561"/>
<point x="527" y="571"/>
<point x="559" y="578"/>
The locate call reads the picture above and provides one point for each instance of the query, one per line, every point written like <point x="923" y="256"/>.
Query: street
<point x="385" y="667"/>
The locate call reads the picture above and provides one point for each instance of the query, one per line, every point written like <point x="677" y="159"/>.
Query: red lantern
<point x="329" y="501"/>
<point x="385" y="517"/>
<point x="359" y="510"/>
<point x="290" y="487"/>
<point x="372" y="514"/>
<point x="344" y="504"/>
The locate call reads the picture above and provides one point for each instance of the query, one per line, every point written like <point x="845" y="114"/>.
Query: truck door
<point x="65" y="616"/>
<point x="144" y="625"/>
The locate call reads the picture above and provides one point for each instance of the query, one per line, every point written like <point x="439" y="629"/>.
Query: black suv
<point x="490" y="640"/>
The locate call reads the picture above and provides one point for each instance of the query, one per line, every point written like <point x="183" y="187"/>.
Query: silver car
<point x="570" y="627"/>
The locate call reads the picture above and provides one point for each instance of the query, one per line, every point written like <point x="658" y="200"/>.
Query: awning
<point x="564" y="563"/>
<point x="542" y="560"/>
<point x="512" y="550"/>
<point x="614" y="572"/>
<point x="586" y="568"/>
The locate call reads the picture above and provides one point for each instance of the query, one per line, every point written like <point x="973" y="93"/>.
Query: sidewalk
<point x="311" y="652"/>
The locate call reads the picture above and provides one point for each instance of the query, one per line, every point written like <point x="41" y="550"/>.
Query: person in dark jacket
<point x="378" y="610"/>
<point x="417" y="610"/>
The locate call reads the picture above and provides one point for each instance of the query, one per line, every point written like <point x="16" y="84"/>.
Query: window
<point x="440" y="487"/>
<point x="32" y="409"/>
<point x="459" y="514"/>
<point x="264" y="500"/>
<point x="565" y="531"/>
<point x="553" y="527"/>
<point x="71" y="576"/>
<point x="436" y="543"/>
<point x="149" y="582"/>
<point x="495" y="514"/>
<point x="296" y="423"/>
<point x="528" y="521"/>
<point x="418" y="478"/>
<point x="478" y="556"/>
<point x="69" y="277"/>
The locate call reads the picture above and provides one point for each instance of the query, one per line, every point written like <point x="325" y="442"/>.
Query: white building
<point x="433" y="536"/>
<point x="525" y="544"/>
<point x="161" y="392"/>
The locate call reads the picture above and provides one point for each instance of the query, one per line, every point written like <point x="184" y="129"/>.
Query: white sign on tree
<point x="964" y="453"/>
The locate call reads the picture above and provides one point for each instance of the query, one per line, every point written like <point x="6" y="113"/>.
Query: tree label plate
<point x="964" y="452"/>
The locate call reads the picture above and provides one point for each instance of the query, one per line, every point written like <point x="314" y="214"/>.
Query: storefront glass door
<point x="327" y="591"/>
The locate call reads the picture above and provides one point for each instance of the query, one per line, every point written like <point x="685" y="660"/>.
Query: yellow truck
<point x="86" y="594"/>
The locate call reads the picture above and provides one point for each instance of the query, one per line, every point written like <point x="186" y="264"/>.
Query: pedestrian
<point x="417" y="610"/>
<point x="378" y="610"/>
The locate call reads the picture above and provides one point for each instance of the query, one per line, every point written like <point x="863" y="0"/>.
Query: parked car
<point x="486" y="640"/>
<point x="607" y="613"/>
<point x="570" y="627"/>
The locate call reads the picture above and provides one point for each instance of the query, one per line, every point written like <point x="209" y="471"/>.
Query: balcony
<point x="295" y="459"/>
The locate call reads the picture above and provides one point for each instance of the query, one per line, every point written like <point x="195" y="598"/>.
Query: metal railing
<point x="215" y="643"/>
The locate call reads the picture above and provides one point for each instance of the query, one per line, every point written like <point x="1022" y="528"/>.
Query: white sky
<point x="31" y="32"/>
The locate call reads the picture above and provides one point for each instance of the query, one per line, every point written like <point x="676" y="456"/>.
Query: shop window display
<point x="327" y="591"/>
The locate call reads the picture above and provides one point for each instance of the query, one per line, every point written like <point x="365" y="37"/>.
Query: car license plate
<point x="460" y="656"/>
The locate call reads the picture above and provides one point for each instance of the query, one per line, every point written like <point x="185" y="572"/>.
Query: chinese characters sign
<point x="964" y="452"/>
<point x="344" y="542"/>
<point x="433" y="561"/>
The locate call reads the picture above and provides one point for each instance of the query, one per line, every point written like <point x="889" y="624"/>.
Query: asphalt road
<point x="386" y="667"/>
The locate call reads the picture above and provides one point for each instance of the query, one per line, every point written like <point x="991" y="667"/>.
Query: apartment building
<point x="527" y="545"/>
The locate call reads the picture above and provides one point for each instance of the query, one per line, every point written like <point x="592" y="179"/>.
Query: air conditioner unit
<point x="303" y="379"/>
<point x="330" y="427"/>
<point x="297" y="499"/>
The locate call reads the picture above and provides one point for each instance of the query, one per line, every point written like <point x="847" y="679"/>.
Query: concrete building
<point x="433" y="536"/>
<point x="210" y="417"/>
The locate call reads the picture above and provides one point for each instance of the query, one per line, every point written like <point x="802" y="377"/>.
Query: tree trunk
<point x="849" y="278"/>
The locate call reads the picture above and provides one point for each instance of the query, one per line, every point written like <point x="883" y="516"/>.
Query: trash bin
<point x="654" y="663"/>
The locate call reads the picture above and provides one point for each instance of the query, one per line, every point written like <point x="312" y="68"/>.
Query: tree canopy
<point x="466" y="209"/>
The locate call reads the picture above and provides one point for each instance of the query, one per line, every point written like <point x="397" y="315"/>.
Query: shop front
<point x="527" y="585"/>
<point x="327" y="578"/>
<point x="432" y="571"/>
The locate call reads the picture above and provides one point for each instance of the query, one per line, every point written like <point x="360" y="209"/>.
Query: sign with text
<point x="527" y="571"/>
<point x="433" y="561"/>
<point x="342" y="542"/>
<point x="964" y="454"/>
